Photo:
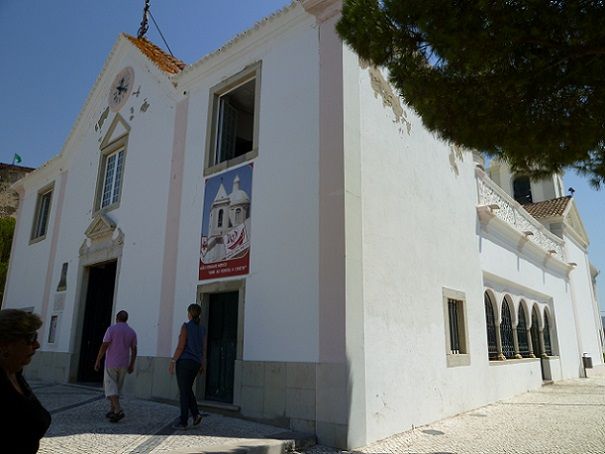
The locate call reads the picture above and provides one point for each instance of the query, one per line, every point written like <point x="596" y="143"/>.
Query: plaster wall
<point x="585" y="302"/>
<point x="524" y="277"/>
<point x="419" y="237"/>
<point x="281" y="291"/>
<point x="140" y="214"/>
<point x="28" y="262"/>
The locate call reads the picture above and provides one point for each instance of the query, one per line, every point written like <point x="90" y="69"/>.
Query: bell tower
<point x="523" y="189"/>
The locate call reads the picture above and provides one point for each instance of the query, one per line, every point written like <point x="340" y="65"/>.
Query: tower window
<point x="522" y="190"/>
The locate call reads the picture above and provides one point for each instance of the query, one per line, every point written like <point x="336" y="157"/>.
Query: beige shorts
<point x="113" y="380"/>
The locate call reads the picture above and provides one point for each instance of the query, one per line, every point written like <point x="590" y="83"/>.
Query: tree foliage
<point x="520" y="80"/>
<point x="7" y="229"/>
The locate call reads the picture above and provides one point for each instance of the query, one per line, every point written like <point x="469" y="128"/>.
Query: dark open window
<point x="490" y="323"/>
<point x="535" y="332"/>
<point x="547" y="343"/>
<point x="522" y="333"/>
<point x="506" y="332"/>
<point x="456" y="325"/>
<point x="522" y="189"/>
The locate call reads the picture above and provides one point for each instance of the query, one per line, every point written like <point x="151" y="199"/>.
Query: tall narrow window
<point x="233" y="120"/>
<point x="492" y="346"/>
<point x="42" y="214"/>
<point x="535" y="332"/>
<point x="455" y="326"/>
<point x="522" y="333"/>
<point x="219" y="221"/>
<point x="547" y="343"/>
<point x="506" y="331"/>
<point x="112" y="181"/>
<point x="456" y="343"/>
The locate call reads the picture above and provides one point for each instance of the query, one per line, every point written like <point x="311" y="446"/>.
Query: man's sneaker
<point x="116" y="416"/>
<point x="109" y="414"/>
<point x="197" y="420"/>
<point x="179" y="426"/>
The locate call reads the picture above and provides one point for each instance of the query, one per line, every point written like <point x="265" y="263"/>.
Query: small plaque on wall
<point x="59" y="303"/>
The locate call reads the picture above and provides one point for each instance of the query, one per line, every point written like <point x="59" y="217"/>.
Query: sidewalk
<point x="567" y="417"/>
<point x="79" y="426"/>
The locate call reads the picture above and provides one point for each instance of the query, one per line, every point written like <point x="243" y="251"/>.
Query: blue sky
<point x="53" y="51"/>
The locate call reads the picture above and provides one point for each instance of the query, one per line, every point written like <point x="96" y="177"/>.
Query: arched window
<point x="522" y="189"/>
<point x="492" y="347"/>
<point x="506" y="332"/>
<point x="238" y="216"/>
<point x="219" y="222"/>
<point x="535" y="332"/>
<point x="547" y="344"/>
<point x="522" y="333"/>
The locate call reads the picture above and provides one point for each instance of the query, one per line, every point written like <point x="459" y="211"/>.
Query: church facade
<point x="358" y="277"/>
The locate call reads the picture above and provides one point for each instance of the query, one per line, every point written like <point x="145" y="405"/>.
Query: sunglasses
<point x="31" y="338"/>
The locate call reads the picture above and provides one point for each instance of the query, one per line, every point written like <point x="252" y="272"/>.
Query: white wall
<point x="281" y="303"/>
<point x="140" y="215"/>
<point x="419" y="236"/>
<point x="584" y="302"/>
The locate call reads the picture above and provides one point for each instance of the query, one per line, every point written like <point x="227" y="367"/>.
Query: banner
<point x="225" y="236"/>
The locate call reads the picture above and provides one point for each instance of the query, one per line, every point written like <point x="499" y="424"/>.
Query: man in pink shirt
<point x="120" y="345"/>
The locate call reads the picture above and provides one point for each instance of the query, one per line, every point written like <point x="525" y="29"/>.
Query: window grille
<point x="454" y="307"/>
<point x="506" y="332"/>
<point x="522" y="333"/>
<point x="547" y="343"/>
<point x="535" y="333"/>
<point x="492" y="346"/>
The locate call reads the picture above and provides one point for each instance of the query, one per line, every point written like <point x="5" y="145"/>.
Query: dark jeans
<point x="186" y="371"/>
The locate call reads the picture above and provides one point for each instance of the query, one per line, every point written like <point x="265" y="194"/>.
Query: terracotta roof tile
<point x="164" y="61"/>
<point x="548" y="208"/>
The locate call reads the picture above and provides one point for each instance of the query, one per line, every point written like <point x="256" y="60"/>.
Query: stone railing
<point x="494" y="201"/>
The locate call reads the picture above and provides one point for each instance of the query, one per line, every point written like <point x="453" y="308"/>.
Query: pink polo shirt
<point x="121" y="338"/>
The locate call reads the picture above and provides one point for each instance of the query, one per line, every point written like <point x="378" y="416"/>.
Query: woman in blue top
<point x="187" y="359"/>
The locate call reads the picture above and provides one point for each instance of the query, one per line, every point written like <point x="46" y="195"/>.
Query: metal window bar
<point x="454" y="333"/>
<point x="492" y="346"/>
<point x="547" y="343"/>
<point x="522" y="333"/>
<point x="535" y="334"/>
<point x="506" y="332"/>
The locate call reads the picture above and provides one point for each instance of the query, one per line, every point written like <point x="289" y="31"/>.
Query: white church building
<point x="357" y="275"/>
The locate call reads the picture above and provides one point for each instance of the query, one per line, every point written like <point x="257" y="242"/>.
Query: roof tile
<point x="548" y="208"/>
<point x="164" y="61"/>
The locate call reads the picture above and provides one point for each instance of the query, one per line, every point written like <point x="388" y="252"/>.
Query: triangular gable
<point x="574" y="221"/>
<point x="101" y="226"/>
<point x="118" y="129"/>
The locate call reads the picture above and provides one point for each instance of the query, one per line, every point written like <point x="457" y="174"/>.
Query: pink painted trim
<point x="171" y="239"/>
<point x="53" y="245"/>
<point x="332" y="278"/>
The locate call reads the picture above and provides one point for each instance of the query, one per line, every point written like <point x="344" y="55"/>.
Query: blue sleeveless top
<point x="194" y="348"/>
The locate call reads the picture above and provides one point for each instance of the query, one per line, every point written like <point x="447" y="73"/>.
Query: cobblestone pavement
<point x="567" y="417"/>
<point x="79" y="425"/>
<point x="563" y="418"/>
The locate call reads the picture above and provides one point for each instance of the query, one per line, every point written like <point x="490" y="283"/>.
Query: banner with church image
<point x="225" y="238"/>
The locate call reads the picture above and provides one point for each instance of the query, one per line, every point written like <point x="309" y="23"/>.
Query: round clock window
<point x="121" y="88"/>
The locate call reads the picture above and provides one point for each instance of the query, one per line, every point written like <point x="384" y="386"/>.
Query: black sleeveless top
<point x="23" y="419"/>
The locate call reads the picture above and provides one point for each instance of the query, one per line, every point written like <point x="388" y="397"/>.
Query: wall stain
<point x="383" y="89"/>
<point x="102" y="119"/>
<point x="455" y="156"/>
<point x="144" y="106"/>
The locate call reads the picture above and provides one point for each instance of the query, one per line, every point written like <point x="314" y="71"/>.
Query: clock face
<point x="121" y="88"/>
